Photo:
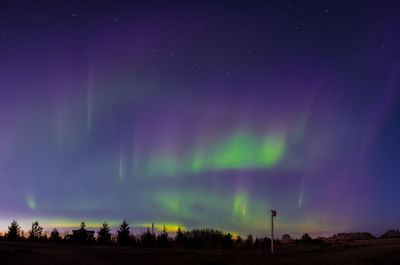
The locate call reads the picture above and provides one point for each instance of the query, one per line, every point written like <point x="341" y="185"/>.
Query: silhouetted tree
<point x="147" y="239"/>
<point x="249" y="241"/>
<point x="82" y="232"/>
<point x="104" y="235"/>
<point x="256" y="243"/>
<point x="306" y="239"/>
<point x="36" y="231"/>
<point x="162" y="238"/>
<point x="239" y="242"/>
<point x="132" y="239"/>
<point x="179" y="238"/>
<point x="123" y="233"/>
<point x="227" y="241"/>
<point x="391" y="234"/>
<point x="14" y="231"/>
<point x="286" y="238"/>
<point x="353" y="236"/>
<point x="264" y="242"/>
<point x="55" y="235"/>
<point x="204" y="238"/>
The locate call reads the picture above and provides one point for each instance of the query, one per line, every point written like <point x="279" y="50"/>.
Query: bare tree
<point x="36" y="231"/>
<point x="55" y="235"/>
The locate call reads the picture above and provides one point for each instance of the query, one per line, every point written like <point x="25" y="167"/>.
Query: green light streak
<point x="198" y="161"/>
<point x="240" y="204"/>
<point x="301" y="196"/>
<point x="236" y="152"/>
<point x="233" y="212"/>
<point x="271" y="151"/>
<point x="30" y="201"/>
<point x="190" y="204"/>
<point x="300" y="201"/>
<point x="242" y="150"/>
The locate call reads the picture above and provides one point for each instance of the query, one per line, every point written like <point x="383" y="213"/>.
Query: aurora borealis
<point x="201" y="114"/>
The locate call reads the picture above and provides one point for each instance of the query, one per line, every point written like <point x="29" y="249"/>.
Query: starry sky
<point x="201" y="114"/>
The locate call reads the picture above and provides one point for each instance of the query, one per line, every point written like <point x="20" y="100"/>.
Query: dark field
<point x="371" y="252"/>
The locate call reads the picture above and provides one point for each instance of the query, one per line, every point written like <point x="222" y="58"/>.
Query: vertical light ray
<point x="60" y="125"/>
<point x="90" y="100"/>
<point x="240" y="204"/>
<point x="120" y="171"/>
<point x="301" y="196"/>
<point x="89" y="108"/>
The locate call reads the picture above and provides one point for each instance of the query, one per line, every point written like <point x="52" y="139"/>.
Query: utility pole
<point x="273" y="213"/>
<point x="152" y="228"/>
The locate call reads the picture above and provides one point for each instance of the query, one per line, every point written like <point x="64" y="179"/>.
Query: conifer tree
<point x="147" y="239"/>
<point x="123" y="233"/>
<point x="104" y="234"/>
<point x="249" y="241"/>
<point x="163" y="238"/>
<point x="179" y="236"/>
<point x="14" y="231"/>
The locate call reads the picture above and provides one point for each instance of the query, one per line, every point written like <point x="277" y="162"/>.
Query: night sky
<point x="201" y="114"/>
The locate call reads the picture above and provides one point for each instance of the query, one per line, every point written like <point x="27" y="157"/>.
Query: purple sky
<point x="201" y="115"/>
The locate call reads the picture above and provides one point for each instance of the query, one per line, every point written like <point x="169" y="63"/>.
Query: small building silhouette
<point x="77" y="233"/>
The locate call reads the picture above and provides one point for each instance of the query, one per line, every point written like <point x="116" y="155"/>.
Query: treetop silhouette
<point x="14" y="231"/>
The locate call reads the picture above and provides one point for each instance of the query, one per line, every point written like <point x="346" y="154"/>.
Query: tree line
<point x="197" y="238"/>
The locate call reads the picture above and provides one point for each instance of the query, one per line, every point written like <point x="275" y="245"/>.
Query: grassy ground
<point x="371" y="252"/>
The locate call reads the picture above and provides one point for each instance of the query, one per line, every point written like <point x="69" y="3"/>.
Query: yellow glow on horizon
<point x="171" y="227"/>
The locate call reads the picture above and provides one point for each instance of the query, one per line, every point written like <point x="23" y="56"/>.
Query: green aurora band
<point x="242" y="150"/>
